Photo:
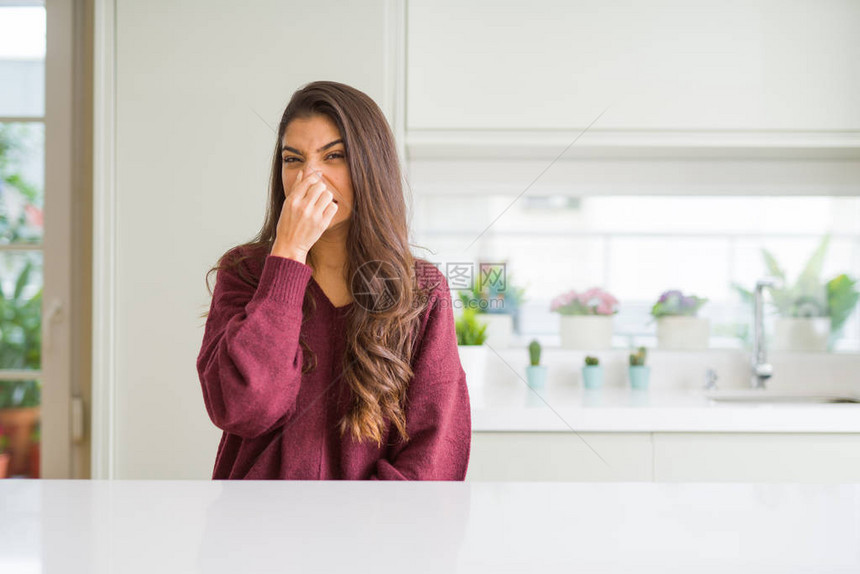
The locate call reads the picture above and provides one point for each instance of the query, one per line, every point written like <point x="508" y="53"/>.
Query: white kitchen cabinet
<point x="665" y="457"/>
<point x="670" y="65"/>
<point x="559" y="456"/>
<point x="757" y="457"/>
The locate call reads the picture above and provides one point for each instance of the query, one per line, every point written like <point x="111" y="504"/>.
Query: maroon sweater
<point x="281" y="424"/>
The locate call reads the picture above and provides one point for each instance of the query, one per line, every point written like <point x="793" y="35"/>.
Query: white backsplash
<point x="814" y="372"/>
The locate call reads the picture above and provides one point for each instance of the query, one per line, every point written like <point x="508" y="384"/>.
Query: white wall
<point x="198" y="85"/>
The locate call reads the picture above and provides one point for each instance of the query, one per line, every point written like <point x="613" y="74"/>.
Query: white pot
<point x="473" y="358"/>
<point x="801" y="333"/>
<point x="500" y="327"/>
<point x="589" y="332"/>
<point x="683" y="333"/>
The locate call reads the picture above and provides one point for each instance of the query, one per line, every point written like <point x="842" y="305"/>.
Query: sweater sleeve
<point x="250" y="360"/>
<point x="438" y="415"/>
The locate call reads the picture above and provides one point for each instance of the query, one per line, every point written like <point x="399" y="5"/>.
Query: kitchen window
<point x="637" y="247"/>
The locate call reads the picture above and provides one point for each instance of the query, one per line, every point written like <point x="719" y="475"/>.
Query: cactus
<point x="638" y="359"/>
<point x="592" y="361"/>
<point x="534" y="352"/>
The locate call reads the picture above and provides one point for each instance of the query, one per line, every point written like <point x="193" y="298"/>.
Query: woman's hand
<point x="307" y="212"/>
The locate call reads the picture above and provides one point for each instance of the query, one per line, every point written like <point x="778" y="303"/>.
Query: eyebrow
<point x="323" y="148"/>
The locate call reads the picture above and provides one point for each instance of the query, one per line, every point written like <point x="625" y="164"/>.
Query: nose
<point x="310" y="169"/>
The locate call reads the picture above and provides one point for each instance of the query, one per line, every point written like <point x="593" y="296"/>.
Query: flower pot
<point x="536" y="376"/>
<point x="19" y="423"/>
<point x="639" y="375"/>
<point x="683" y="333"/>
<point x="801" y="333"/>
<point x="500" y="327"/>
<point x="4" y="464"/>
<point x="35" y="459"/>
<point x="473" y="359"/>
<point x="592" y="376"/>
<point x="589" y="332"/>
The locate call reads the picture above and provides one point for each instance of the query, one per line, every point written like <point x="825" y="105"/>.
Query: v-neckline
<point x="325" y="298"/>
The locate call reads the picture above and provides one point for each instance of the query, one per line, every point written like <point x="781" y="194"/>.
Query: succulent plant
<point x="592" y="361"/>
<point x="534" y="352"/>
<point x="637" y="359"/>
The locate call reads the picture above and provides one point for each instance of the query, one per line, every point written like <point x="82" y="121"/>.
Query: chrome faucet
<point x="761" y="369"/>
<point x="711" y="380"/>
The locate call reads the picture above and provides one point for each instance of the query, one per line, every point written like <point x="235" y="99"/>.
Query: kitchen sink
<point x="770" y="397"/>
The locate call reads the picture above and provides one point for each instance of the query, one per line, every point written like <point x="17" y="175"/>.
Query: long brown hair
<point x="388" y="299"/>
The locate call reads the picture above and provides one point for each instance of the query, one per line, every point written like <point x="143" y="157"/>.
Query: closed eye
<point x="336" y="155"/>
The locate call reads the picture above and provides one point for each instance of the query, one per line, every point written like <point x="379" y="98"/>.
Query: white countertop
<point x="130" y="526"/>
<point x="675" y="401"/>
<point x="513" y="406"/>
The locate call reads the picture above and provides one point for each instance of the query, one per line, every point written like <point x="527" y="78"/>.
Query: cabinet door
<point x="560" y="456"/>
<point x="758" y="457"/>
<point x="668" y="65"/>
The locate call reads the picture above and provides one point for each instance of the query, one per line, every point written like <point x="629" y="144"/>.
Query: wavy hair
<point x="389" y="300"/>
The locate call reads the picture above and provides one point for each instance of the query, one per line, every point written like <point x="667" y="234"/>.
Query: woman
<point x="330" y="351"/>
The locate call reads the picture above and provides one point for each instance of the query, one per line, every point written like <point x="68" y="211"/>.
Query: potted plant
<point x="678" y="327"/>
<point x="4" y="456"/>
<point x="535" y="372"/>
<point x="20" y="349"/>
<point x="19" y="414"/>
<point x="586" y="318"/>
<point x="471" y="335"/>
<point x="497" y="306"/>
<point x="811" y="313"/>
<point x="592" y="373"/>
<point x="842" y="296"/>
<point x="639" y="372"/>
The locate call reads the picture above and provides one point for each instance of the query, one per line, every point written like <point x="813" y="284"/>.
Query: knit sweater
<point x="279" y="423"/>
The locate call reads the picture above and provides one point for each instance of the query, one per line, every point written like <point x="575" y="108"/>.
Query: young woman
<point x="330" y="351"/>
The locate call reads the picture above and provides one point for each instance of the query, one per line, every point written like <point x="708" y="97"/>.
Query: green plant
<point x="637" y="359"/>
<point x="17" y="225"/>
<point x="808" y="296"/>
<point x="592" y="361"/>
<point x="674" y="303"/>
<point x="20" y="341"/>
<point x="488" y="298"/>
<point x="4" y="441"/>
<point x="36" y="435"/>
<point x="534" y="352"/>
<point x="842" y="297"/>
<point x="470" y="331"/>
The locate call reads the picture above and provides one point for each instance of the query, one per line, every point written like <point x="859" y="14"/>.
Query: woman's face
<point x="315" y="144"/>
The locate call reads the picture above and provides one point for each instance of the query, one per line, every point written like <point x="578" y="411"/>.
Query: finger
<point x="308" y="181"/>
<point x="328" y="213"/>
<point x="309" y="202"/>
<point x="330" y="187"/>
<point x="302" y="186"/>
<point x="325" y="196"/>
<point x="295" y="184"/>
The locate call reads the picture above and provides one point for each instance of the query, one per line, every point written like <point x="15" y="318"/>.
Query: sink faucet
<point x="711" y="380"/>
<point x="761" y="369"/>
